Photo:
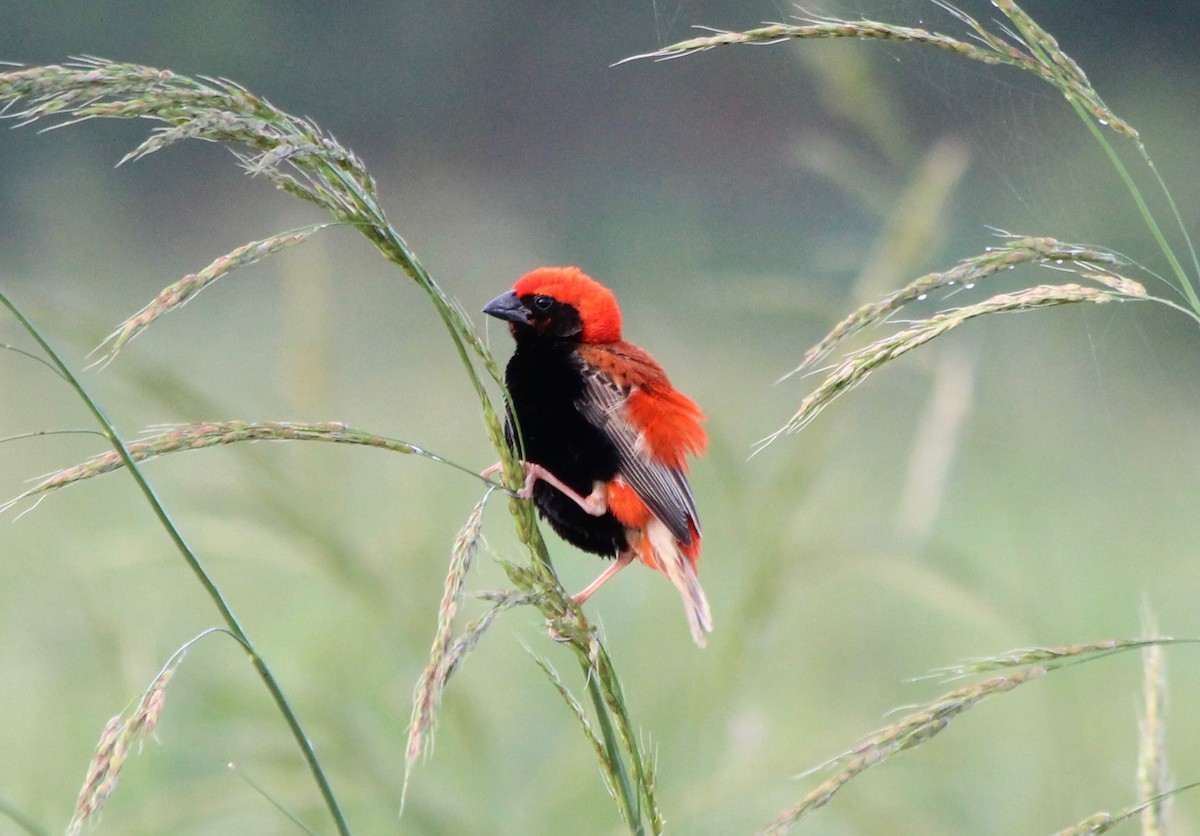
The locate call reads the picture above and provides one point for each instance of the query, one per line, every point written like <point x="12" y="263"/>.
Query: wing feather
<point x="663" y="488"/>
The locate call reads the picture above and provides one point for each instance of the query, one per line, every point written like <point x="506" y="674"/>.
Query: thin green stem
<point x="1032" y="42"/>
<point x="627" y="797"/>
<point x="381" y="233"/>
<point x="616" y="705"/>
<point x="307" y="163"/>
<point x="394" y="247"/>
<point x="109" y="432"/>
<point x="22" y="821"/>
<point x="274" y="802"/>
<point x="1185" y="284"/>
<point x="1162" y="184"/>
<point x="40" y="433"/>
<point x="15" y="350"/>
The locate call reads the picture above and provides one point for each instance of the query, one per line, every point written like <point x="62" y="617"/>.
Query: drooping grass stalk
<point x="301" y="159"/>
<point x="193" y="561"/>
<point x="1067" y="76"/>
<point x="1104" y="822"/>
<point x="1034" y="51"/>
<point x="177" y="294"/>
<point x="857" y="365"/>
<point x="208" y="434"/>
<point x="965" y="274"/>
<point x="119" y="737"/>
<point x="930" y="719"/>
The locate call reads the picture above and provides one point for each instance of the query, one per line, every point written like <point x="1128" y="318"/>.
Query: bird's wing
<point x="664" y="488"/>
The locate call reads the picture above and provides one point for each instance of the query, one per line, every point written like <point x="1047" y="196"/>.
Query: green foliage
<point x="306" y="162"/>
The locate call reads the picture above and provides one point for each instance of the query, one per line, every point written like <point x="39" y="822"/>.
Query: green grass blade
<point x="190" y="557"/>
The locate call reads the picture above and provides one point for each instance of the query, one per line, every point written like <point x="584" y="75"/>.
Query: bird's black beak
<point x="508" y="306"/>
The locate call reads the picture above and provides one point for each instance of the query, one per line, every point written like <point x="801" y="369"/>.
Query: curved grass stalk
<point x="857" y="365"/>
<point x="119" y="737"/>
<point x="1104" y="822"/>
<point x="193" y="561"/>
<point x="1060" y="70"/>
<point x="925" y="721"/>
<point x="300" y="158"/>
<point x="178" y="294"/>
<point x="1017" y="250"/>
<point x="219" y="433"/>
<point x="1035" y="51"/>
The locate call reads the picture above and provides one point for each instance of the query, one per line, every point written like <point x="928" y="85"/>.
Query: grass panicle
<point x="306" y="162"/>
<point x="1044" y="58"/>
<point x="207" y="434"/>
<point x="912" y="730"/>
<point x="1094" y="824"/>
<point x="1103" y="822"/>
<point x="1025" y="45"/>
<point x="1051" y="658"/>
<point x="475" y="630"/>
<point x="1153" y="773"/>
<point x="1033" y="49"/>
<point x="121" y="734"/>
<point x="927" y="720"/>
<point x="292" y="152"/>
<point x="428" y="692"/>
<point x="1019" y="250"/>
<point x="176" y="295"/>
<point x="581" y="715"/>
<point x="857" y="365"/>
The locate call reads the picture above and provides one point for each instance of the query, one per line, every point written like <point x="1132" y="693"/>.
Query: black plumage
<point x="546" y="384"/>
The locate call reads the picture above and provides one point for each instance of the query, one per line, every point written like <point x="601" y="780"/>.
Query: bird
<point x="604" y="436"/>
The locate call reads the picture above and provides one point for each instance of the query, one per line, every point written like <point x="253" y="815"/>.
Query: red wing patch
<point x="653" y="428"/>
<point x="668" y="420"/>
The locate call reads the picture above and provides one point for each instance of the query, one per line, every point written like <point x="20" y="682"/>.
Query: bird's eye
<point x="543" y="303"/>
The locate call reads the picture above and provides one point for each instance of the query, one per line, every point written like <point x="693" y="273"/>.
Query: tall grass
<point x="305" y="161"/>
<point x="300" y="158"/>
<point x="1022" y="44"/>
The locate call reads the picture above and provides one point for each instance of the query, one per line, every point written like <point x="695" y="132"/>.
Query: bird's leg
<point x="623" y="560"/>
<point x="595" y="503"/>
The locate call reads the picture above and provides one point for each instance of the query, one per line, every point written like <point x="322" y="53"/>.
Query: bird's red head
<point x="595" y="304"/>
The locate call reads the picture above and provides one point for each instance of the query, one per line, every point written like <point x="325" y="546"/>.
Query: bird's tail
<point x="680" y="569"/>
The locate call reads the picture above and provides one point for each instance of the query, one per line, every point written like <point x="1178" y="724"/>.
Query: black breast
<point x="544" y="381"/>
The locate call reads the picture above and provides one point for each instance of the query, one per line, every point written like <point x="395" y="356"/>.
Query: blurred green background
<point x="1027" y="480"/>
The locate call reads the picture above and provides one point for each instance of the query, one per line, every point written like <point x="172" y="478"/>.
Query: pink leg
<point x="595" y="503"/>
<point x="623" y="560"/>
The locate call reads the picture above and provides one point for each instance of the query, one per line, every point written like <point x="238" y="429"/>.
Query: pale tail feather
<point x="676" y="566"/>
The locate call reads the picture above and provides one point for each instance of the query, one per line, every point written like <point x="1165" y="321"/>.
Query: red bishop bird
<point x="604" y="434"/>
